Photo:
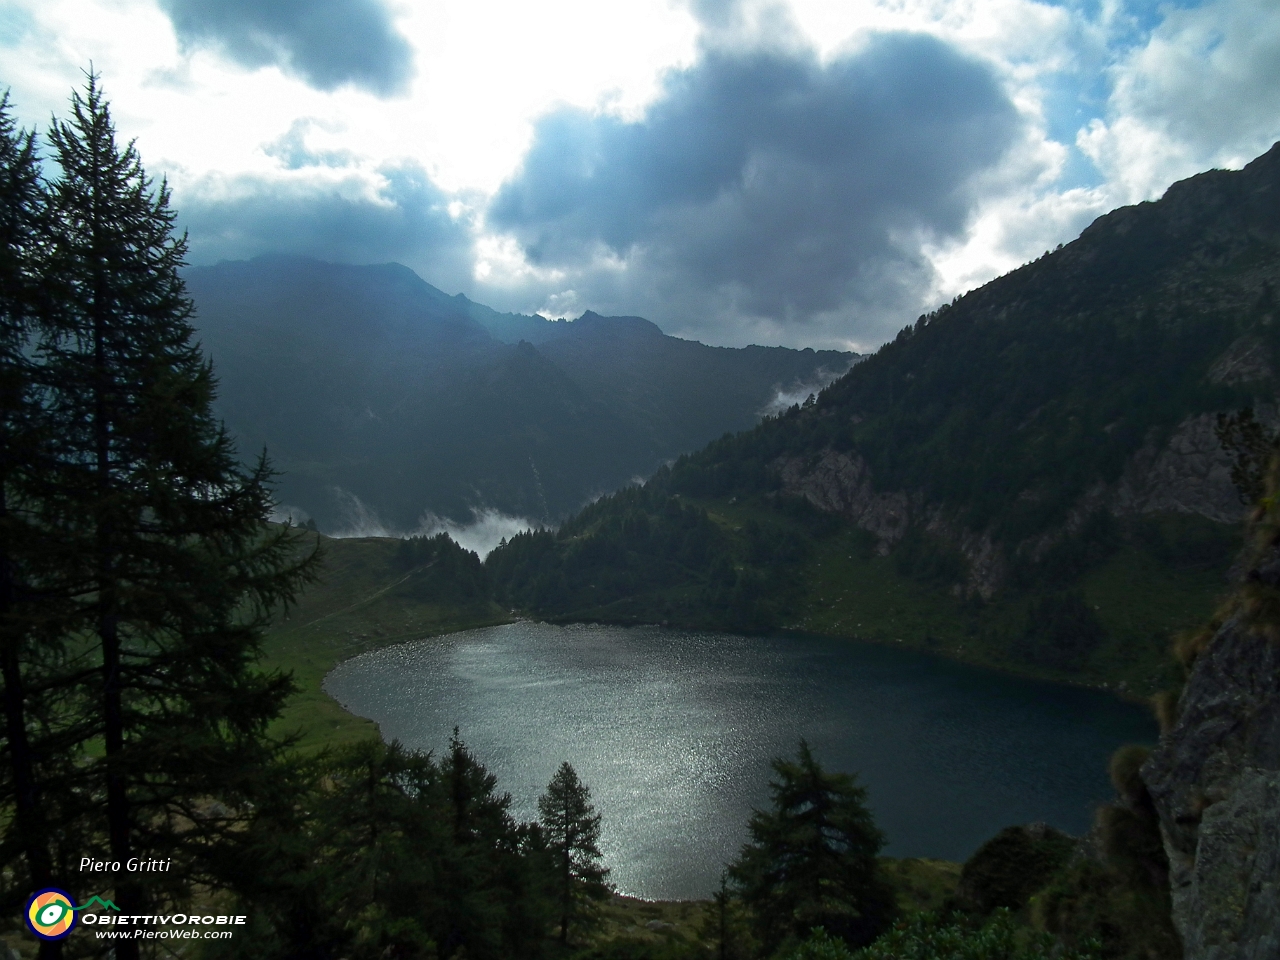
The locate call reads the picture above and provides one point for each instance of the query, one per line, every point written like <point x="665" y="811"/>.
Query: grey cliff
<point x="841" y="483"/>
<point x="1189" y="473"/>
<point x="1215" y="780"/>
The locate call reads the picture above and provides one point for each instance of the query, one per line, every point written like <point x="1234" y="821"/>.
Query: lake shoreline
<point x="957" y="655"/>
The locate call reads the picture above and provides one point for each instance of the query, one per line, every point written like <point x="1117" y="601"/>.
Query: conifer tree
<point x="812" y="861"/>
<point x="572" y="829"/>
<point x="155" y="524"/>
<point x="21" y="205"/>
<point x="391" y="853"/>
<point x="27" y="758"/>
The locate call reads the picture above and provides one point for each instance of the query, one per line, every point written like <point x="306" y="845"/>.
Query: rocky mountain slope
<point x="376" y="393"/>
<point x="1029" y="475"/>
<point x="1215" y="780"/>
<point x="1087" y="381"/>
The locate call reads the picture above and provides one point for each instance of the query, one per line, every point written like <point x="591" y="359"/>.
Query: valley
<point x="386" y="404"/>
<point x="399" y="627"/>
<point x="1062" y="510"/>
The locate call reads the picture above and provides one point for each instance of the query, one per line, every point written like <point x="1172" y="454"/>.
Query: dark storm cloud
<point x="408" y="222"/>
<point x="768" y="182"/>
<point x="327" y="43"/>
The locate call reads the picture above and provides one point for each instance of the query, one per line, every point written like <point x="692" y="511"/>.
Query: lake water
<point x="673" y="731"/>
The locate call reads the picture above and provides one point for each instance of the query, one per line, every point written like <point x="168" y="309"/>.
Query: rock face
<point x="841" y="483"/>
<point x="1215" y="780"/>
<point x="1245" y="361"/>
<point x="1191" y="474"/>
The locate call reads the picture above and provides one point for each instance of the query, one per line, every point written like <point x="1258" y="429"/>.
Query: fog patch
<point x="784" y="398"/>
<point x="359" y="519"/>
<point x="481" y="535"/>
<point x="288" y="513"/>
<point x="487" y="529"/>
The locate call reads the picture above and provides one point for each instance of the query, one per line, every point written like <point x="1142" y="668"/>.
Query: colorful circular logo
<point x="51" y="913"/>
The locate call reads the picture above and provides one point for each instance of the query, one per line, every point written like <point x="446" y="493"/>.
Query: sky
<point x="795" y="172"/>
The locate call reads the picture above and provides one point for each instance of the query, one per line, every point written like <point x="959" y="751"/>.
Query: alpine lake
<point x="674" y="731"/>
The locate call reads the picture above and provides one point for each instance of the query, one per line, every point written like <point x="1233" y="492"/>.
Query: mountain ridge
<point x="381" y="398"/>
<point x="1041" y="450"/>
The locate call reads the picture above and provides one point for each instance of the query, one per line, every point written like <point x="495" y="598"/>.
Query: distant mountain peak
<point x="372" y="387"/>
<point x="593" y="322"/>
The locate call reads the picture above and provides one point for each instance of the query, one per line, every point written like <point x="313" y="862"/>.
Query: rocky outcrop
<point x="841" y="483"/>
<point x="1215" y="781"/>
<point x="986" y="562"/>
<point x="1189" y="474"/>
<point x="1245" y="361"/>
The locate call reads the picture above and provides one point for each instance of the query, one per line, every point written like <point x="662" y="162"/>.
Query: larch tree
<point x="812" y="860"/>
<point x="28" y="756"/>
<point x="167" y="570"/>
<point x="41" y="806"/>
<point x="21" y="209"/>
<point x="572" y="829"/>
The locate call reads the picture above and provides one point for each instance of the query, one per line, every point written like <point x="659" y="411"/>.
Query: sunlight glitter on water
<point x="673" y="730"/>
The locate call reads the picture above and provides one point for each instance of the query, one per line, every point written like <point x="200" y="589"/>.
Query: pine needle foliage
<point x="572" y="829"/>
<point x="33" y="749"/>
<point x="377" y="851"/>
<point x="998" y="937"/>
<point x="131" y="520"/>
<point x="811" y="861"/>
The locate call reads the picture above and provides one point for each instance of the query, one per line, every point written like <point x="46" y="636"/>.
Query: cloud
<point x="487" y="529"/>
<point x="294" y="153"/>
<point x="1203" y="90"/>
<point x="765" y="186"/>
<point x="798" y="391"/>
<point x="343" y="215"/>
<point x="328" y="43"/>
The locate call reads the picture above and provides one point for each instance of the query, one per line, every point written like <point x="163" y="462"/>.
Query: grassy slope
<point x="358" y="604"/>
<point x="1142" y="602"/>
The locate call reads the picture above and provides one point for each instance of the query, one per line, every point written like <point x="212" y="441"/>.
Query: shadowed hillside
<point x="1029" y="475"/>
<point x="367" y="381"/>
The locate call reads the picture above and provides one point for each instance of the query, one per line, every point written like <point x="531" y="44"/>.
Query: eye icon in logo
<point x="51" y="914"/>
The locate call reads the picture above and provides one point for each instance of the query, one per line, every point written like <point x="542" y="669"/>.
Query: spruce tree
<point x="572" y="829"/>
<point x="29" y="756"/>
<point x="392" y="853"/>
<point x="21" y="206"/>
<point x="812" y="860"/>
<point x="157" y="525"/>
